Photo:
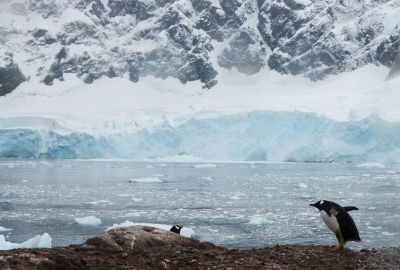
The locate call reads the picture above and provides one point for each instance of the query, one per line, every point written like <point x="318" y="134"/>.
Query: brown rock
<point x="138" y="238"/>
<point x="150" y="248"/>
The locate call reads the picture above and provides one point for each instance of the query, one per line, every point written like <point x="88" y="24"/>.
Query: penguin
<point x="176" y="229"/>
<point x="338" y="221"/>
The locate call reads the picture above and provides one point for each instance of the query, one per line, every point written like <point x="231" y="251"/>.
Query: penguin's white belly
<point x="330" y="221"/>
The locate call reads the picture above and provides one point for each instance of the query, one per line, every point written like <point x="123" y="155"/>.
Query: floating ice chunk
<point x="388" y="233"/>
<point x="121" y="225"/>
<point x="374" y="228"/>
<point x="391" y="172"/>
<point x="259" y="221"/>
<point x="45" y="241"/>
<point x="180" y="158"/>
<point x="39" y="241"/>
<point x="24" y="181"/>
<point x="371" y="165"/>
<point x="137" y="199"/>
<point x="302" y="185"/>
<point x="207" y="165"/>
<point x="91" y="220"/>
<point x="97" y="202"/>
<point x="2" y="229"/>
<point x="187" y="232"/>
<point x="124" y="195"/>
<point x="132" y="215"/>
<point x="234" y="198"/>
<point x="146" y="180"/>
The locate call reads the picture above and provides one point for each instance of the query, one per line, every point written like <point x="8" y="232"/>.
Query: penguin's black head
<point x="176" y="229"/>
<point x="322" y="205"/>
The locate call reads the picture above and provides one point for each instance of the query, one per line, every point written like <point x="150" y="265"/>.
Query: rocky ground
<point x="150" y="248"/>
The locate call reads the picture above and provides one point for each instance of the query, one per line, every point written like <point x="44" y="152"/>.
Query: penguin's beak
<point x="313" y="205"/>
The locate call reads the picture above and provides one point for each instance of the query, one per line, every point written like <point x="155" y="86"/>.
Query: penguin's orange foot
<point x="337" y="247"/>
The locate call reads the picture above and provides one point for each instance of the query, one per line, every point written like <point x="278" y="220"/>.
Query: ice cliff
<point x="253" y="136"/>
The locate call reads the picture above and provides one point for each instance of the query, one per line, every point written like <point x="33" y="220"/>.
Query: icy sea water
<point x="236" y="205"/>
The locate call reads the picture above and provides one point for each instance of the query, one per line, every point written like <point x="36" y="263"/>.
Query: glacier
<point x="352" y="117"/>
<point x="252" y="136"/>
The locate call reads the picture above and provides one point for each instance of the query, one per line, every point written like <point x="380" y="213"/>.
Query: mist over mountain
<point x="192" y="40"/>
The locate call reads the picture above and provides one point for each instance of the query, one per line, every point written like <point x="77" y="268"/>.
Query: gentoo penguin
<point x="338" y="221"/>
<point x="176" y="229"/>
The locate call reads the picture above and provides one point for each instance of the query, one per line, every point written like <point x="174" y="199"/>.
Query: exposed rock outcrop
<point x="140" y="238"/>
<point x="395" y="69"/>
<point x="388" y="48"/>
<point x="10" y="74"/>
<point x="151" y="248"/>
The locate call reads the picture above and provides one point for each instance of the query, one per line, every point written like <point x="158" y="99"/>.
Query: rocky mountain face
<point x="190" y="39"/>
<point x="10" y="75"/>
<point x="395" y="70"/>
<point x="388" y="53"/>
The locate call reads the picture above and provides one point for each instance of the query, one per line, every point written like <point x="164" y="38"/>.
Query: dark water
<point x="237" y="205"/>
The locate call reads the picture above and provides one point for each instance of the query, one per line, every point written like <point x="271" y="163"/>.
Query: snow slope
<point x="350" y="117"/>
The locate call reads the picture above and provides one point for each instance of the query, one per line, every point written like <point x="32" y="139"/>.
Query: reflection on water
<point x="237" y="205"/>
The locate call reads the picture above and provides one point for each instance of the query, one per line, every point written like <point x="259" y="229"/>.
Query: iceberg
<point x="39" y="241"/>
<point x="146" y="180"/>
<point x="90" y="221"/>
<point x="2" y="229"/>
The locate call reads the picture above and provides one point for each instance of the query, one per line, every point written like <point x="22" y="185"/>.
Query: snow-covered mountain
<point x="191" y="39"/>
<point x="290" y="80"/>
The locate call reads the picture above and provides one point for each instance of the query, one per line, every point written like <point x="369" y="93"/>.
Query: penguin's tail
<point x="355" y="239"/>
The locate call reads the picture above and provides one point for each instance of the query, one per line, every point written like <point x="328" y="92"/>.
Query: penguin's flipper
<point x="334" y="211"/>
<point x="350" y="208"/>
